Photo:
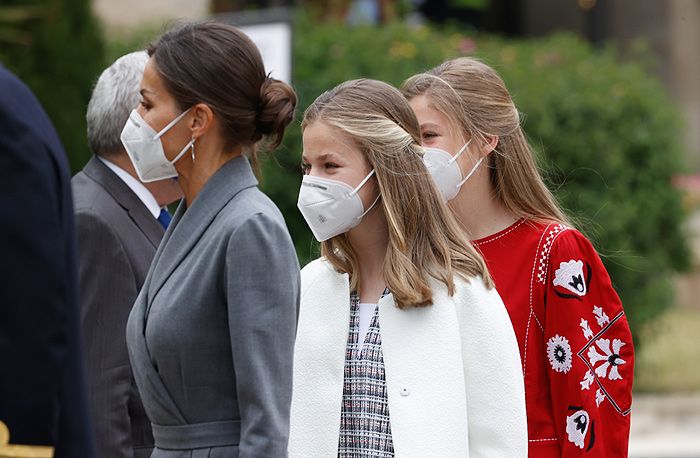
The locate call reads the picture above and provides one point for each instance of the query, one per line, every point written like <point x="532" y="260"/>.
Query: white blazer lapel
<point x="319" y="360"/>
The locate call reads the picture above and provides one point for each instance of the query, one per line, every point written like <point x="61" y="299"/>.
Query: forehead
<point x="427" y="113"/>
<point x="320" y="138"/>
<point x="152" y="83"/>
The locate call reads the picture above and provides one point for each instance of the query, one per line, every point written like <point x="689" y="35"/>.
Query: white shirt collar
<point x="136" y="186"/>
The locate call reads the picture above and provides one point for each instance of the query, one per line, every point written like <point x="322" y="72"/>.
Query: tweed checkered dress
<point x="364" y="422"/>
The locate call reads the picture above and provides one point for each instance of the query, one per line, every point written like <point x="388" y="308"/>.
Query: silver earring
<point x="192" y="150"/>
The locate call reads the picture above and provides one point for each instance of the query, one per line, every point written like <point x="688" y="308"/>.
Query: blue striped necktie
<point x="164" y="218"/>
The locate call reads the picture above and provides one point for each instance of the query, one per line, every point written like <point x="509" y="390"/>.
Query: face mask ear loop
<point x="171" y="124"/>
<point x="459" y="153"/>
<point x="184" y="150"/>
<point x="370" y="207"/>
<point x="470" y="172"/>
<point x="354" y="191"/>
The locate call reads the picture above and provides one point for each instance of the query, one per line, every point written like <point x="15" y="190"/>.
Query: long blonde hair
<point x="425" y="239"/>
<point x="476" y="101"/>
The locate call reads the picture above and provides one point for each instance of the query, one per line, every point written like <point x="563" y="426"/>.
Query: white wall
<point x="120" y="16"/>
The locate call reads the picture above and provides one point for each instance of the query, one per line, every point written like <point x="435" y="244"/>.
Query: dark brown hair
<point x="217" y="64"/>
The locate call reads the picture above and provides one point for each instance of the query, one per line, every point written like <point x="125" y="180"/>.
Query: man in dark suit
<point x="42" y="391"/>
<point x="120" y="222"/>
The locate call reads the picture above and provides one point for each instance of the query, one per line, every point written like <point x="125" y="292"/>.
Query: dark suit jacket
<point x="42" y="391"/>
<point x="117" y="238"/>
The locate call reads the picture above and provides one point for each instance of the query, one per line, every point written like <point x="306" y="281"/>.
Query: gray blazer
<point x="211" y="335"/>
<point x="117" y="239"/>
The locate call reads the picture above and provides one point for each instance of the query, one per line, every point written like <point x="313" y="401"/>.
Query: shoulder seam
<point x="313" y="280"/>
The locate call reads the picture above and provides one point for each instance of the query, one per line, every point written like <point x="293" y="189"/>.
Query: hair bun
<point x="276" y="110"/>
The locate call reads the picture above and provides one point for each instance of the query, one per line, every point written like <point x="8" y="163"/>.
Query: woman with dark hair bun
<point x="211" y="335"/>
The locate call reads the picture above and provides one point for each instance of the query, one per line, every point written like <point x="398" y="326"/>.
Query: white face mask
<point x="145" y="149"/>
<point x="331" y="207"/>
<point x="445" y="170"/>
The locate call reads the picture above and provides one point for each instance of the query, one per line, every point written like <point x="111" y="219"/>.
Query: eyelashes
<point x="306" y="168"/>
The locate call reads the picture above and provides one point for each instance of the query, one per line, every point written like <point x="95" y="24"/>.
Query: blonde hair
<point x="476" y="101"/>
<point x="425" y="239"/>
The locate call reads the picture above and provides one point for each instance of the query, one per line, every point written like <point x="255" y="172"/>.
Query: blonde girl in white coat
<point x="404" y="348"/>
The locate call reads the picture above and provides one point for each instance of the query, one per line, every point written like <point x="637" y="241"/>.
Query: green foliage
<point x="605" y="131"/>
<point x="13" y="19"/>
<point x="474" y="4"/>
<point x="56" y="48"/>
<point x="136" y="40"/>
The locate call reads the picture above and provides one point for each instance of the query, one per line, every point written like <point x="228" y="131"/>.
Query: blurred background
<point x="609" y="91"/>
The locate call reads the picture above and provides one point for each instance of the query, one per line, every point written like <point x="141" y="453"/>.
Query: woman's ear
<point x="202" y="119"/>
<point x="489" y="144"/>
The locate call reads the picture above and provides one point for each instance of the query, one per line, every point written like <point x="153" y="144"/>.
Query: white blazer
<point x="453" y="371"/>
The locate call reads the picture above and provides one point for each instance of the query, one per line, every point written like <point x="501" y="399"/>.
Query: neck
<point x="479" y="210"/>
<point x="193" y="175"/>
<point x="369" y="240"/>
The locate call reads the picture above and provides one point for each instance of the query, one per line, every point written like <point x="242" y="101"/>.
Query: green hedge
<point x="56" y="48"/>
<point x="605" y="131"/>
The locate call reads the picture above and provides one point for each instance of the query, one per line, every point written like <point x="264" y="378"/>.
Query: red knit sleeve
<point x="589" y="351"/>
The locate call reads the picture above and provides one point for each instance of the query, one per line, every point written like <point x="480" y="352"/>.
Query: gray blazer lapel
<point x="121" y="193"/>
<point x="189" y="224"/>
<point x="141" y="363"/>
<point x="149" y="380"/>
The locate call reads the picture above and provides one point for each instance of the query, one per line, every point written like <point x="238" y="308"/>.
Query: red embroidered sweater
<point x="575" y="343"/>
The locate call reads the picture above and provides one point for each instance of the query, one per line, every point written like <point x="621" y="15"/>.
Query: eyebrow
<point x="321" y="157"/>
<point x="429" y="125"/>
<point x="144" y="91"/>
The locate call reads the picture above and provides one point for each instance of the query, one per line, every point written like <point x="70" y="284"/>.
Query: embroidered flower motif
<point x="559" y="353"/>
<point x="587" y="332"/>
<point x="600" y="316"/>
<point x="587" y="380"/>
<point x="570" y="276"/>
<point x="611" y="357"/>
<point x="577" y="427"/>
<point x="605" y="356"/>
<point x="599" y="397"/>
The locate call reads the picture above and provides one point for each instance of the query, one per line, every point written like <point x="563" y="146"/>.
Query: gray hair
<point x="114" y="96"/>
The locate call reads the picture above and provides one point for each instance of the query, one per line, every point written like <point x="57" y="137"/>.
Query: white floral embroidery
<point x="612" y="358"/>
<point x="577" y="427"/>
<point x="599" y="397"/>
<point x="559" y="353"/>
<point x="587" y="380"/>
<point x="600" y="315"/>
<point x="570" y="276"/>
<point x="587" y="332"/>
